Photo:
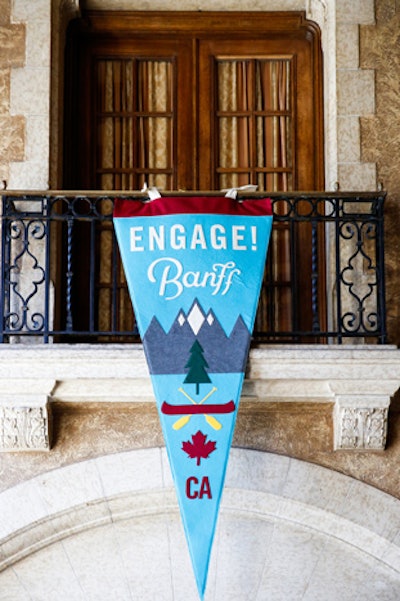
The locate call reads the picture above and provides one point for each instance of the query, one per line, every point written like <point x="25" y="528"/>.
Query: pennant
<point x="194" y="267"/>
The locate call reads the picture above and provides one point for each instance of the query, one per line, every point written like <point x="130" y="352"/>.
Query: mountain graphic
<point x="168" y="352"/>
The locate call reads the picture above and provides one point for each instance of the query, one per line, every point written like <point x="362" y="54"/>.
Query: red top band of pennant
<point x="191" y="204"/>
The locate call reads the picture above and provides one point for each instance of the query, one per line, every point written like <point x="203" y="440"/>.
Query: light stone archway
<point x="109" y="528"/>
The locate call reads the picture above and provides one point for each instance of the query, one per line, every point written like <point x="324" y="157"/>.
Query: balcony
<point x="62" y="281"/>
<point x="69" y="334"/>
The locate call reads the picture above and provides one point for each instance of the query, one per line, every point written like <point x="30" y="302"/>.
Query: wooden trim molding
<point x="219" y="22"/>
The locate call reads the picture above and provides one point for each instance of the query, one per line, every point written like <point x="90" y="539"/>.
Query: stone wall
<point x="109" y="528"/>
<point x="299" y="401"/>
<point x="380" y="50"/>
<point x="96" y="517"/>
<point x="355" y="96"/>
<point x="12" y="127"/>
<point x="25" y="160"/>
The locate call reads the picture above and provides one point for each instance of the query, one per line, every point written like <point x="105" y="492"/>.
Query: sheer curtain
<point x="134" y="141"/>
<point x="255" y="138"/>
<point x="155" y="131"/>
<point x="134" y="124"/>
<point x="136" y="137"/>
<point x="254" y="123"/>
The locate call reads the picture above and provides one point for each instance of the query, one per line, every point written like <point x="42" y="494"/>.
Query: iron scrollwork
<point x="340" y="234"/>
<point x="358" y="278"/>
<point x="25" y="274"/>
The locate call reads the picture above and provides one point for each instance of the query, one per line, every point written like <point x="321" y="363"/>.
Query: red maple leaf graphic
<point x="198" y="448"/>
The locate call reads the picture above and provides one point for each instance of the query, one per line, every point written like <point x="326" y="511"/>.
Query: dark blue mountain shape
<point x="168" y="352"/>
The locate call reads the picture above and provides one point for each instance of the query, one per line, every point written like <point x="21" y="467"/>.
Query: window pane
<point x="274" y="142"/>
<point x="134" y="142"/>
<point x="235" y="180"/>
<point x="234" y="142"/>
<point x="255" y="139"/>
<point x="114" y="86"/>
<point x="134" y="123"/>
<point x="255" y="123"/>
<point x="154" y="85"/>
<point x="274" y="181"/>
<point x="273" y="85"/>
<point x="154" y="143"/>
<point x="235" y="87"/>
<point x="115" y="151"/>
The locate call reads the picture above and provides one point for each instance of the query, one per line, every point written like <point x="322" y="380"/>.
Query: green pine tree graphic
<point x="197" y="373"/>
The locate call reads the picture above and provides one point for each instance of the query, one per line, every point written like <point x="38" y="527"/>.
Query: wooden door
<point x="188" y="101"/>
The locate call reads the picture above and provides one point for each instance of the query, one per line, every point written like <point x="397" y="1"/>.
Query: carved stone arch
<point x="110" y="528"/>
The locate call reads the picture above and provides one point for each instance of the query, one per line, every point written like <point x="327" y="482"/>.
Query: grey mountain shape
<point x="168" y="352"/>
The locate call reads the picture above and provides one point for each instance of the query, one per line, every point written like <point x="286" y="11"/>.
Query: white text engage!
<point x="198" y="237"/>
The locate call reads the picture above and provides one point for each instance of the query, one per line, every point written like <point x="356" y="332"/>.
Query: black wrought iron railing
<point x="62" y="280"/>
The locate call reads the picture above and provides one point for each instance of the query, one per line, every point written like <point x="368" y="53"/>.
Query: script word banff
<point x="198" y="237"/>
<point x="173" y="280"/>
